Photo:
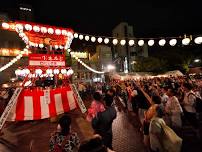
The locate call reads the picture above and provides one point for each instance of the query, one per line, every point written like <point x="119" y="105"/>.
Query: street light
<point x="110" y="67"/>
<point x="197" y="60"/>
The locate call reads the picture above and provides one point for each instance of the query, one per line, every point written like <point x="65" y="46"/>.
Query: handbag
<point x="170" y="140"/>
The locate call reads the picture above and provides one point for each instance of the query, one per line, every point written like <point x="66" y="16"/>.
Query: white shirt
<point x="189" y="100"/>
<point x="174" y="109"/>
<point x="164" y="99"/>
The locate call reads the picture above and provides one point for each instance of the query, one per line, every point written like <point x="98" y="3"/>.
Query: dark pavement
<point x="23" y="136"/>
<point x="35" y="135"/>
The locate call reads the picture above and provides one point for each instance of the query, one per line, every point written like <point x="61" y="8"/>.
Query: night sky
<point x="99" y="17"/>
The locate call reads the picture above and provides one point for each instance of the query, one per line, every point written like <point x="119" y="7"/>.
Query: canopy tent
<point x="136" y="75"/>
<point x="173" y="73"/>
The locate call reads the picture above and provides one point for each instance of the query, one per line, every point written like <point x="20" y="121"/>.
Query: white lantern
<point x="173" y="42"/>
<point x="99" y="40"/>
<point x="57" y="31"/>
<point x="115" y="41"/>
<point x="64" y="32"/>
<point x="66" y="47"/>
<point x="5" y="25"/>
<point x="9" y="64"/>
<point x="28" y="27"/>
<point x="44" y="30"/>
<point x="61" y="47"/>
<point x="123" y="42"/>
<point x="63" y="71"/>
<point x="71" y="71"/>
<point x="25" y="38"/>
<point x="36" y="28"/>
<point x="198" y="40"/>
<point x="56" y="71"/>
<point x="50" y="31"/>
<point x="22" y="35"/>
<point x="38" y="71"/>
<point x="41" y="45"/>
<point x="49" y="71"/>
<point x="23" y="72"/>
<point x="33" y="75"/>
<point x="17" y="57"/>
<point x="106" y="40"/>
<point x="36" y="45"/>
<point x="17" y="72"/>
<point x="76" y="35"/>
<point x="87" y="38"/>
<point x="19" y="26"/>
<point x="141" y="42"/>
<point x="93" y="39"/>
<point x="162" y="42"/>
<point x="131" y="42"/>
<point x="27" y="71"/>
<point x="81" y="37"/>
<point x="186" y="41"/>
<point x="69" y="34"/>
<point x="56" y="46"/>
<point x="69" y="50"/>
<point x="151" y="42"/>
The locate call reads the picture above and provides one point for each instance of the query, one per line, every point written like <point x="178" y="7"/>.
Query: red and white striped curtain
<point x="32" y="105"/>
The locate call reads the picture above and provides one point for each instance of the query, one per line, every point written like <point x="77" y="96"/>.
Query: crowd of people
<point x="161" y="104"/>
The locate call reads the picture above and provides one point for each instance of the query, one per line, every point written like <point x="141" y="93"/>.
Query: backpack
<point x="198" y="103"/>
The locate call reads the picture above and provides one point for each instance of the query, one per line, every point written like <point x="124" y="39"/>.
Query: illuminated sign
<point x="11" y="52"/>
<point x="46" y="60"/>
<point x="81" y="55"/>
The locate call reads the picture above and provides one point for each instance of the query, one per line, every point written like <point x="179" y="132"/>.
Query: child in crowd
<point x="96" y="106"/>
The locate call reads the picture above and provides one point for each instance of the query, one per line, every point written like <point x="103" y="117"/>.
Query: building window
<point x="25" y="9"/>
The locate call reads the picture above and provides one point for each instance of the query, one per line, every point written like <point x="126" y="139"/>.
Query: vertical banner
<point x="46" y="97"/>
<point x="9" y="106"/>
<point x="80" y="101"/>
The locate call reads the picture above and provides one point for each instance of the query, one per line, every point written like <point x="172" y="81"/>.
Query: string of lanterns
<point x="19" y="29"/>
<point x="139" y="41"/>
<point x="82" y="63"/>
<point x="38" y="72"/>
<point x="14" y="60"/>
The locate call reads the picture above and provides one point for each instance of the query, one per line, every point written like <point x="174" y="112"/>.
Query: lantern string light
<point x="19" y="29"/>
<point x="139" y="41"/>
<point x="82" y="63"/>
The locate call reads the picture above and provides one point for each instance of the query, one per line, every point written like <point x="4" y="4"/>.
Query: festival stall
<point x="46" y="90"/>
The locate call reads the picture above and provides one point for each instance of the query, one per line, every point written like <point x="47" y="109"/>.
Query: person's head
<point x="171" y="92"/>
<point x="97" y="96"/>
<point x="64" y="124"/>
<point x="156" y="99"/>
<point x="164" y="89"/>
<point x="95" y="144"/>
<point x="111" y="92"/>
<point x="159" y="111"/>
<point x="187" y="86"/>
<point x="108" y="100"/>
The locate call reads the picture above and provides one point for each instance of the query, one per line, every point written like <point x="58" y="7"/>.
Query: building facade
<point x="124" y="56"/>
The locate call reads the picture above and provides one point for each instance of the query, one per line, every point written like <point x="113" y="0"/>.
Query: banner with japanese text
<point x="46" y="60"/>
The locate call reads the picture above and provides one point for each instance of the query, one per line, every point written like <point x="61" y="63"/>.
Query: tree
<point x="149" y="64"/>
